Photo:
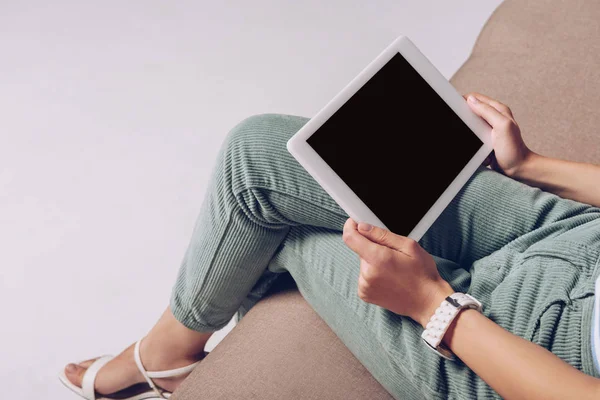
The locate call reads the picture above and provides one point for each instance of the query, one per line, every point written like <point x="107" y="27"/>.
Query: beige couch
<point x="542" y="57"/>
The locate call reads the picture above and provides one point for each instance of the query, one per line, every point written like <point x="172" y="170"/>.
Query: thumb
<point x="383" y="236"/>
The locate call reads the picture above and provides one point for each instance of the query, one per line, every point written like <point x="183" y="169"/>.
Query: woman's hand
<point x="395" y="272"/>
<point x="571" y="180"/>
<point x="510" y="152"/>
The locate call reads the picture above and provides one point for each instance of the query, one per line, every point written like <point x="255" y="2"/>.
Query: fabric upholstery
<point x="296" y="357"/>
<point x="540" y="57"/>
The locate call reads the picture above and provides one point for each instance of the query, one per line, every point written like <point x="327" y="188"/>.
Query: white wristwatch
<point x="442" y="318"/>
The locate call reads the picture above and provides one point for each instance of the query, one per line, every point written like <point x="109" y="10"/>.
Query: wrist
<point x="527" y="167"/>
<point x="437" y="294"/>
<point x="464" y="317"/>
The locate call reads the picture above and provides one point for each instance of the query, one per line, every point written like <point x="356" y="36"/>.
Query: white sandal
<point x="140" y="391"/>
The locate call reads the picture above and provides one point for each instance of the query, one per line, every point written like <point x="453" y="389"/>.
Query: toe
<point x="75" y="373"/>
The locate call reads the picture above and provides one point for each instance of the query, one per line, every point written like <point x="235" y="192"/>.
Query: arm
<point x="399" y="275"/>
<point x="571" y="180"/>
<point x="513" y="366"/>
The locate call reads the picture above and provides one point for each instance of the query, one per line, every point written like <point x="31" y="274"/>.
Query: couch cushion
<point x="542" y="58"/>
<point x="281" y="350"/>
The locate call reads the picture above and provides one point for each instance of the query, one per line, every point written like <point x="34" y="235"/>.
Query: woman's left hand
<point x="396" y="273"/>
<point x="511" y="154"/>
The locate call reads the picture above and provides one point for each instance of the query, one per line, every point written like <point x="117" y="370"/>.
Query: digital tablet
<point x="396" y="145"/>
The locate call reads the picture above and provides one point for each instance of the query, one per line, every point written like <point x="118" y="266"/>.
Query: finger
<point x="350" y="224"/>
<point x="363" y="288"/>
<point x="501" y="107"/>
<point x="492" y="116"/>
<point x="366" y="249"/>
<point x="385" y="237"/>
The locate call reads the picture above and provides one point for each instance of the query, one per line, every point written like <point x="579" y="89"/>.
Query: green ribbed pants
<point x="530" y="257"/>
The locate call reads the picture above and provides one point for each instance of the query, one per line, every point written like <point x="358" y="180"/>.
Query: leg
<point x="272" y="191"/>
<point x="257" y="193"/>
<point x="540" y="297"/>
<point x="389" y="346"/>
<point x="490" y="212"/>
<point x="237" y="233"/>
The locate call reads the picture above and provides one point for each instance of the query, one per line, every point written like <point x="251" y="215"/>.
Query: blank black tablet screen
<point x="396" y="144"/>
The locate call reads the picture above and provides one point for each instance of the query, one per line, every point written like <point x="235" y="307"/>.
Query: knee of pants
<point x="254" y="152"/>
<point x="254" y="158"/>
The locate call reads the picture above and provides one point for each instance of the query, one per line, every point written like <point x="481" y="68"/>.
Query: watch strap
<point x="441" y="320"/>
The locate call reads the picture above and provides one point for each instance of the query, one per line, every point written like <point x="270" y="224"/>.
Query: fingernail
<point x="473" y="99"/>
<point x="363" y="226"/>
<point x="71" y="368"/>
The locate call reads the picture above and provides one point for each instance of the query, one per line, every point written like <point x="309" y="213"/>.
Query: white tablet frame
<point x="337" y="188"/>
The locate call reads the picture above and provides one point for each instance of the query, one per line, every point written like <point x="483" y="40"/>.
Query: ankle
<point x="170" y="344"/>
<point x="161" y="355"/>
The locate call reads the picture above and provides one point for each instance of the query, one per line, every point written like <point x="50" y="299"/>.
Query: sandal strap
<point x="89" y="377"/>
<point x="149" y="375"/>
<point x="171" y="373"/>
<point x="138" y="362"/>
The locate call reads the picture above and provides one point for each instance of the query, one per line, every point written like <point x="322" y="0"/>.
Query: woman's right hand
<point x="510" y="152"/>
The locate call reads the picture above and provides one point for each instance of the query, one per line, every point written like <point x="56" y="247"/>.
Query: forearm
<point x="512" y="366"/>
<point x="570" y="180"/>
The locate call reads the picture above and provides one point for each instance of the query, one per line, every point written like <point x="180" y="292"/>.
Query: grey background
<point x="111" y="114"/>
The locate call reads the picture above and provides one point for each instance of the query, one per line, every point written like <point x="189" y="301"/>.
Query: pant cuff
<point x="190" y="320"/>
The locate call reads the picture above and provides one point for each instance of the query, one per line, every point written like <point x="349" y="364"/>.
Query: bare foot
<point x="121" y="372"/>
<point x="169" y="345"/>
